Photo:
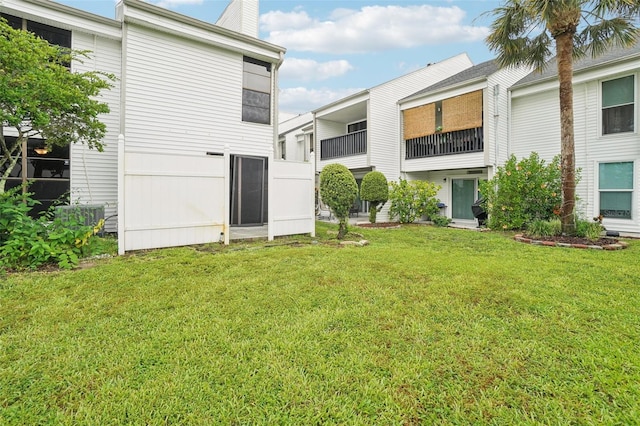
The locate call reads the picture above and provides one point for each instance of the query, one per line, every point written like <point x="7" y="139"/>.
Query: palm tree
<point x="524" y="33"/>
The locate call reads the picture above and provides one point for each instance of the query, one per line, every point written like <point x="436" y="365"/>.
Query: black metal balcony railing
<point x="344" y="146"/>
<point x="457" y="142"/>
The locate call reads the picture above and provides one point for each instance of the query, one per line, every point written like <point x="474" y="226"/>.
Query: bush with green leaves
<point x="28" y="243"/>
<point x="374" y="189"/>
<point x="338" y="190"/>
<point x="522" y="191"/>
<point x="439" y="220"/>
<point x="411" y="200"/>
<point x="544" y="228"/>
<point x="591" y="230"/>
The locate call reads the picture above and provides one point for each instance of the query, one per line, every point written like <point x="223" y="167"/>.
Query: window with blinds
<point x="618" y="105"/>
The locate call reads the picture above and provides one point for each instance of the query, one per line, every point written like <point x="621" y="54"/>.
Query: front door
<point x="463" y="193"/>
<point x="248" y="190"/>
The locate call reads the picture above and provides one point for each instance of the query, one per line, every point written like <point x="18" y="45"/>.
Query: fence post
<point x="121" y="195"/>
<point x="312" y="192"/>
<point x="226" y="226"/>
<point x="270" y="198"/>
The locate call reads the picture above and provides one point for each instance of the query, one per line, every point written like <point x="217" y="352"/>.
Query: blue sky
<point x="335" y="48"/>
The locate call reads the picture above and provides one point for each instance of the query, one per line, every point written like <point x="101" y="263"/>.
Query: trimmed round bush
<point x="338" y="190"/>
<point x="374" y="189"/>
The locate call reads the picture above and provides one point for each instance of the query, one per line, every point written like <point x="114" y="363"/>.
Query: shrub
<point x="374" y="189"/>
<point x="439" y="220"/>
<point x="338" y="190"/>
<point x="413" y="199"/>
<point x="589" y="229"/>
<point x="544" y="228"/>
<point x="26" y="242"/>
<point x="522" y="192"/>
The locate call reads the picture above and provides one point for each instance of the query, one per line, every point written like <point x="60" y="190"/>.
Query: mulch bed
<point x="379" y="225"/>
<point x="573" y="242"/>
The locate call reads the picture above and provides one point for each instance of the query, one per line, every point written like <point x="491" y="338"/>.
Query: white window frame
<point x="635" y="104"/>
<point x="633" y="190"/>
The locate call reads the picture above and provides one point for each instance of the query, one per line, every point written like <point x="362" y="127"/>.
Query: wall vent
<point x="89" y="214"/>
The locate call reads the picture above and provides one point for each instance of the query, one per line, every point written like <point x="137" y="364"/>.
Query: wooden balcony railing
<point x="344" y="146"/>
<point x="449" y="143"/>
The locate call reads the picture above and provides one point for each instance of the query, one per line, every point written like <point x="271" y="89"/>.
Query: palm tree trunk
<point x="564" y="46"/>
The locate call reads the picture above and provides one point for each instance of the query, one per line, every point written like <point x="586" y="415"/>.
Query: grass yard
<point x="424" y="326"/>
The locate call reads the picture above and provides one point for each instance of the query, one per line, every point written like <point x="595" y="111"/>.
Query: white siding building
<point x="607" y="143"/>
<point x="192" y="128"/>
<point x="295" y="141"/>
<point x="362" y="131"/>
<point x="455" y="132"/>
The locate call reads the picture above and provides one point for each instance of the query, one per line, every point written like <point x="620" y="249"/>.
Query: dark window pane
<point x="256" y="107"/>
<point x="13" y="21"/>
<point x="615" y="205"/>
<point x="255" y="115"/>
<point x="53" y="35"/>
<point x="253" y="98"/>
<point x="618" y="119"/>
<point x="356" y="127"/>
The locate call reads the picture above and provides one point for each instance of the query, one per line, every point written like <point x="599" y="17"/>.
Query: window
<point x="618" y="105"/>
<point x="615" y="182"/>
<point x="55" y="36"/>
<point x="357" y="127"/>
<point x="282" y="148"/>
<point x="256" y="91"/>
<point x="47" y="171"/>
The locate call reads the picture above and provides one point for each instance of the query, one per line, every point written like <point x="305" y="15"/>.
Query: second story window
<point x="357" y="126"/>
<point x="256" y="91"/>
<point x="55" y="36"/>
<point x="618" y="106"/>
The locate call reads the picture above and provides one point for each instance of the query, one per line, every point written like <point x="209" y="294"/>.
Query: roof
<point x="480" y="71"/>
<point x="551" y="70"/>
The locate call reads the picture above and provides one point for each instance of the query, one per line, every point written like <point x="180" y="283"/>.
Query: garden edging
<point x="614" y="246"/>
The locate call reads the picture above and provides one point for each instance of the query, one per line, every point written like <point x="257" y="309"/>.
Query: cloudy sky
<point x="335" y="48"/>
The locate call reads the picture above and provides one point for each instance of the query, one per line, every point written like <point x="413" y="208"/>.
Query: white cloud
<point x="370" y="29"/>
<point x="298" y="100"/>
<point x="277" y="20"/>
<point x="311" y="70"/>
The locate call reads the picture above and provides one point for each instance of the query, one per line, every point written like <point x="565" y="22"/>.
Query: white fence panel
<point x="292" y="199"/>
<point x="172" y="199"/>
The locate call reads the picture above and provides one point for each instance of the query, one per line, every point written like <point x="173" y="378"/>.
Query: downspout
<point x="120" y="14"/>
<point x="496" y="122"/>
<point x="276" y="121"/>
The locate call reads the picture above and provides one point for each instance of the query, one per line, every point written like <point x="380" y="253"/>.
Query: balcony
<point x="449" y="143"/>
<point x="344" y="146"/>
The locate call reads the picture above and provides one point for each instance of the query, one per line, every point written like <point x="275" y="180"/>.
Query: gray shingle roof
<point x="551" y="70"/>
<point x="483" y="69"/>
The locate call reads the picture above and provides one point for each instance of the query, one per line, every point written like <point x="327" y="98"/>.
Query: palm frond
<point x="630" y="9"/>
<point x="598" y="37"/>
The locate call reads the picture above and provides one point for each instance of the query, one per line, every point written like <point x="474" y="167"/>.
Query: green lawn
<point x="423" y="326"/>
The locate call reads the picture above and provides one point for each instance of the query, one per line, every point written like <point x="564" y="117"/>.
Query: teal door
<point x="463" y="193"/>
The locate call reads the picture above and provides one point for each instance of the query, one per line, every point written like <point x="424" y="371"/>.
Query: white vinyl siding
<point x="535" y="126"/>
<point x="94" y="174"/>
<point x="186" y="96"/>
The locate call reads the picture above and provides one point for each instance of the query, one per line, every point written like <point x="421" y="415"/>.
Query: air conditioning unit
<point x="88" y="214"/>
